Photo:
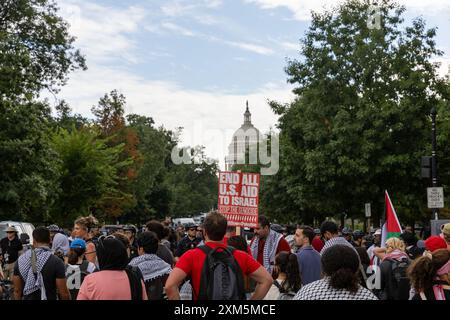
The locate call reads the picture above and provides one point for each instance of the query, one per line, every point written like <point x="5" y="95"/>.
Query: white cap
<point x="377" y="232"/>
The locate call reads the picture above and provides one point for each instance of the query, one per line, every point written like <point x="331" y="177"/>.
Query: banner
<point x="239" y="198"/>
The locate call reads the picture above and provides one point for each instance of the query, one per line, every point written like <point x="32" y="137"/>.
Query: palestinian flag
<point x="392" y="227"/>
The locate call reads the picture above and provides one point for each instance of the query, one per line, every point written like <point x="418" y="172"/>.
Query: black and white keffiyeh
<point x="322" y="290"/>
<point x="270" y="249"/>
<point x="34" y="282"/>
<point x="151" y="266"/>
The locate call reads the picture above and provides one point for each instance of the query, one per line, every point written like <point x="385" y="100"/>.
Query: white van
<point x="21" y="227"/>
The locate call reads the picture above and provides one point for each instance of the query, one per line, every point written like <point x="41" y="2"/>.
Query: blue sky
<point x="194" y="63"/>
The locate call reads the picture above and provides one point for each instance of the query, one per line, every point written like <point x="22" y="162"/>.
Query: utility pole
<point x="434" y="178"/>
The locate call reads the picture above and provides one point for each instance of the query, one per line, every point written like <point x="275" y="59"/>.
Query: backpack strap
<point x="276" y="284"/>
<point x="363" y="273"/>
<point x="438" y="292"/>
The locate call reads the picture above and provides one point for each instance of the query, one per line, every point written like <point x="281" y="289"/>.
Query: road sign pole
<point x="433" y="157"/>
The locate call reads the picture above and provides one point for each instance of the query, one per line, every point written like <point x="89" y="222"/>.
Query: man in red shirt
<point x="191" y="263"/>
<point x="267" y="244"/>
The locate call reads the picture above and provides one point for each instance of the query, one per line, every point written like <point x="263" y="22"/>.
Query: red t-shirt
<point x="192" y="264"/>
<point x="317" y="243"/>
<point x="283" y="245"/>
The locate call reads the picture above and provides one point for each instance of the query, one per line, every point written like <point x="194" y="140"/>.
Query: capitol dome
<point x="243" y="138"/>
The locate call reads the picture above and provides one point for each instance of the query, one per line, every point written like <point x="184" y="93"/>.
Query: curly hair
<point x="88" y="222"/>
<point x="423" y="270"/>
<point x="341" y="264"/>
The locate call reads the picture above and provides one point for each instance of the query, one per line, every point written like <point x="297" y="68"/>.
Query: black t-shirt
<point x="165" y="254"/>
<point x="53" y="269"/>
<point x="187" y="244"/>
<point x="11" y="249"/>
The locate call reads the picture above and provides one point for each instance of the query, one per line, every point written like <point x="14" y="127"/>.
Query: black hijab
<point x="112" y="254"/>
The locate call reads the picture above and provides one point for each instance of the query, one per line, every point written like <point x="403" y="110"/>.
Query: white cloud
<point x="302" y="8"/>
<point x="291" y="46"/>
<point x="444" y="69"/>
<point x="209" y="118"/>
<point x="250" y="47"/>
<point x="179" y="8"/>
<point x="177" y="29"/>
<point x="103" y="33"/>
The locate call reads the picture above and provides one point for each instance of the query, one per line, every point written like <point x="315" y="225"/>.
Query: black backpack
<point x="222" y="277"/>
<point x="400" y="280"/>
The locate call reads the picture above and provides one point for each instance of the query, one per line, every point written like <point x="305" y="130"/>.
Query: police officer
<point x="347" y="234"/>
<point x="130" y="232"/>
<point x="10" y="249"/>
<point x="190" y="241"/>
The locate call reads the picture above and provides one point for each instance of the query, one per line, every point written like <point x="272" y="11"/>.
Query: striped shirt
<point x="336" y="241"/>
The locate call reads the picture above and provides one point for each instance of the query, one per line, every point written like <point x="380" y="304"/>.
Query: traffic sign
<point x="368" y="211"/>
<point x="435" y="197"/>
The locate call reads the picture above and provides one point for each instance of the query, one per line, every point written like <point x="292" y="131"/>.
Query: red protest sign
<point x="239" y="198"/>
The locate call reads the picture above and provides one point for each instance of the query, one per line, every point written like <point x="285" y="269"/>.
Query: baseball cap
<point x="11" y="229"/>
<point x="446" y="229"/>
<point x="78" y="244"/>
<point x="434" y="243"/>
<point x="377" y="232"/>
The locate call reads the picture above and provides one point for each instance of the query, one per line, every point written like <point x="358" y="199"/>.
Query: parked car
<point x="21" y="227"/>
<point x="183" y="221"/>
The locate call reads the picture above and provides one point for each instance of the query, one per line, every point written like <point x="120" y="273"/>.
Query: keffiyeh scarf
<point x="34" y="282"/>
<point x="151" y="266"/>
<point x="270" y="249"/>
<point x="396" y="255"/>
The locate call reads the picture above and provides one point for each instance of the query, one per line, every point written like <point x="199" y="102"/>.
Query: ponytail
<point x="293" y="273"/>
<point x="74" y="255"/>
<point x="286" y="262"/>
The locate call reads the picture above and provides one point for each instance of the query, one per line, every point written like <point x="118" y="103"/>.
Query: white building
<point x="244" y="141"/>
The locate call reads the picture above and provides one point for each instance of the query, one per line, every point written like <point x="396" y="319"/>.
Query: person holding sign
<point x="267" y="244"/>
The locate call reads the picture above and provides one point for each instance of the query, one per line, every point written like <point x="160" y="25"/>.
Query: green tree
<point x="360" y="121"/>
<point x="149" y="190"/>
<point x="193" y="187"/>
<point x="110" y="119"/>
<point x="28" y="166"/>
<point x="89" y="172"/>
<point x="36" y="53"/>
<point x="36" y="49"/>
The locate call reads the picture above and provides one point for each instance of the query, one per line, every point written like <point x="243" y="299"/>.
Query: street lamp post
<point x="433" y="157"/>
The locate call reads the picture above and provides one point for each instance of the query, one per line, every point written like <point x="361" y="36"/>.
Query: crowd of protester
<point x="212" y="261"/>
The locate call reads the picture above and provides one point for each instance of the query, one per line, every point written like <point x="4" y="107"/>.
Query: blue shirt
<point x="309" y="264"/>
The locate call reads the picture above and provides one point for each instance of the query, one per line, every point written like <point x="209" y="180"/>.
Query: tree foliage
<point x="360" y="120"/>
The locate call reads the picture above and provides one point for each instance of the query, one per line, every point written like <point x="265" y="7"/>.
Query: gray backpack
<point x="222" y="277"/>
